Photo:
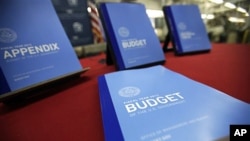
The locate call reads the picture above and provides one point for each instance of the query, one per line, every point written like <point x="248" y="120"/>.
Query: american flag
<point x="97" y="29"/>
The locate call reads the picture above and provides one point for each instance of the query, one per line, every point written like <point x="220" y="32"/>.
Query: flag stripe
<point x="95" y="22"/>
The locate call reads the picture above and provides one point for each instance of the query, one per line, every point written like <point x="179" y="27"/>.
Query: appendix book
<point x="156" y="103"/>
<point x="131" y="37"/>
<point x="33" y="45"/>
<point x="188" y="32"/>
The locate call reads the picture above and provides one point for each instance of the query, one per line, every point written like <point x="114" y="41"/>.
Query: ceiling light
<point x="241" y="10"/>
<point x="210" y="16"/>
<point x="203" y="16"/>
<point x="207" y="16"/>
<point x="236" y="20"/>
<point x="230" y="5"/>
<point x="217" y="1"/>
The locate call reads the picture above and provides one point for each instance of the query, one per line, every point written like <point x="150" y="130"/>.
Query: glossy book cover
<point x="187" y="28"/>
<point x="33" y="45"/>
<point x="131" y="36"/>
<point x="156" y="103"/>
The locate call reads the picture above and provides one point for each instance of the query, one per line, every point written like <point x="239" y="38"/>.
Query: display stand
<point x="43" y="88"/>
<point x="166" y="43"/>
<point x="109" y="59"/>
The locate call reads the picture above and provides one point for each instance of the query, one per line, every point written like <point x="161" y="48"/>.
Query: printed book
<point x="34" y="47"/>
<point x="186" y="28"/>
<point x="132" y="41"/>
<point x="158" y="104"/>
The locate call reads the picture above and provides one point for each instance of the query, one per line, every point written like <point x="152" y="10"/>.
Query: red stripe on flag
<point x="95" y="22"/>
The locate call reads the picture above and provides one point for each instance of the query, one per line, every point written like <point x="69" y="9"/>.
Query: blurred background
<point x="226" y="21"/>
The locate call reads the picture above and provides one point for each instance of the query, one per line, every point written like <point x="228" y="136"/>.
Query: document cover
<point x="33" y="45"/>
<point x="131" y="37"/>
<point x="158" y="104"/>
<point x="187" y="29"/>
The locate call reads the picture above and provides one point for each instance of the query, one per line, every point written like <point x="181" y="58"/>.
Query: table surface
<point x="71" y="110"/>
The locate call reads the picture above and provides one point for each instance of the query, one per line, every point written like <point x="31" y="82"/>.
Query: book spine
<point x="174" y="32"/>
<point x="4" y="87"/>
<point x="113" y="45"/>
<point x="110" y="121"/>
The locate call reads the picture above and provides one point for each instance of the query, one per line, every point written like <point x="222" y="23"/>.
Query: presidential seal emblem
<point x="123" y="32"/>
<point x="182" y="26"/>
<point x="129" y="91"/>
<point x="7" y="35"/>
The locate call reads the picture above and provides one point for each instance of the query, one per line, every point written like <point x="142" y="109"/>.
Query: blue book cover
<point x="77" y="27"/>
<point x="75" y="20"/>
<point x="65" y="6"/>
<point x="131" y="35"/>
<point x="33" y="45"/>
<point x="188" y="31"/>
<point x="156" y="103"/>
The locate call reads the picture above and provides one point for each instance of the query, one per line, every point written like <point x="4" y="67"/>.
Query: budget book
<point x="156" y="103"/>
<point x="186" y="28"/>
<point x="131" y="39"/>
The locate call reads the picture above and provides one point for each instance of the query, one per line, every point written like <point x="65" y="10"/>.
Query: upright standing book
<point x="186" y="29"/>
<point x="132" y="41"/>
<point x="158" y="104"/>
<point x="34" y="48"/>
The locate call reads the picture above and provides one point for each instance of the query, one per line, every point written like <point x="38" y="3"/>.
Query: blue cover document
<point x="188" y="32"/>
<point x="33" y="45"/>
<point x="131" y="37"/>
<point x="158" y="104"/>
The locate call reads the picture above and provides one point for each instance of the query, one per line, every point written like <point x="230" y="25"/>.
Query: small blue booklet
<point x="34" y="48"/>
<point x="186" y="28"/>
<point x="156" y="103"/>
<point x="132" y="41"/>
